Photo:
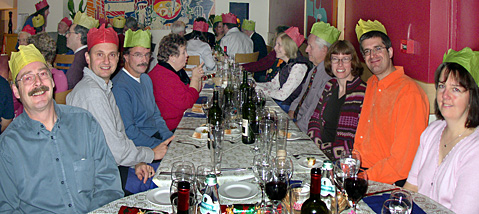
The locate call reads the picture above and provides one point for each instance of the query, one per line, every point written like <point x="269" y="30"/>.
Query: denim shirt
<point x="66" y="170"/>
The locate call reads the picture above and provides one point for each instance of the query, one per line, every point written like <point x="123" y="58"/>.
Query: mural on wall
<point x="314" y="12"/>
<point x="152" y="14"/>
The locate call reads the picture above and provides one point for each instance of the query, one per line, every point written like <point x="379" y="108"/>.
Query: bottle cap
<point x="315" y="171"/>
<point x="183" y="185"/>
<point x="211" y="180"/>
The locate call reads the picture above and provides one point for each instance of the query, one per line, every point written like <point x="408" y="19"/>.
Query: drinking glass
<point x="351" y="159"/>
<point x="356" y="185"/>
<point x="282" y="135"/>
<point x="283" y="165"/>
<point x="183" y="170"/>
<point x="174" y="195"/>
<point x="394" y="206"/>
<point x="201" y="172"/>
<point x="206" y="105"/>
<point x="403" y="196"/>
<point x="266" y="129"/>
<point x="215" y="143"/>
<point x="340" y="171"/>
<point x="277" y="180"/>
<point x="261" y="169"/>
<point x="258" y="142"/>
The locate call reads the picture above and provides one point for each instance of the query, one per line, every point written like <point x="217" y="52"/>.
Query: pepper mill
<point x="10" y="25"/>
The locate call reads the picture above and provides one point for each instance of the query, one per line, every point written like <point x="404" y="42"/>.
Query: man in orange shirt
<point x="394" y="114"/>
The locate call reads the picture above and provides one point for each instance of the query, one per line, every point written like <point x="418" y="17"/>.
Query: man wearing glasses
<point x="133" y="92"/>
<point x="53" y="158"/>
<point x="94" y="94"/>
<point x="394" y="114"/>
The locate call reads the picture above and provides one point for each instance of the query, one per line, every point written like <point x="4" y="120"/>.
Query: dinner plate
<point x="294" y="136"/>
<point x="199" y="130"/>
<point x="234" y="131"/>
<point x="238" y="190"/>
<point x="304" y="163"/>
<point x="159" y="196"/>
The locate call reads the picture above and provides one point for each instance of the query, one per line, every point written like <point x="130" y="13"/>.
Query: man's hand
<point x="160" y="150"/>
<point x="198" y="72"/>
<point x="144" y="171"/>
<point x="291" y="114"/>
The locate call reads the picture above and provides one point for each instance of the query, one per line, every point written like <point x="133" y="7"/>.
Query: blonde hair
<point x="289" y="46"/>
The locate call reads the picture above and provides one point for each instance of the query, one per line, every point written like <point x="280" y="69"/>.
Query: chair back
<point x="193" y="60"/>
<point x="63" y="61"/>
<point x="61" y="97"/>
<point x="269" y="48"/>
<point x="246" y="58"/>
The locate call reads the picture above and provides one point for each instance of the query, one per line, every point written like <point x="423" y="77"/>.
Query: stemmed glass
<point x="403" y="196"/>
<point x="350" y="160"/>
<point x="261" y="169"/>
<point x="201" y="173"/>
<point x="278" y="180"/>
<point x="394" y="206"/>
<point x="206" y="105"/>
<point x="182" y="171"/>
<point x="356" y="185"/>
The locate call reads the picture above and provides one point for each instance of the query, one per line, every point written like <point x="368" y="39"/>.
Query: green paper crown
<point x="325" y="31"/>
<point x="466" y="58"/>
<point x="137" y="38"/>
<point x="218" y="18"/>
<point x="248" y="25"/>
<point x="363" y="27"/>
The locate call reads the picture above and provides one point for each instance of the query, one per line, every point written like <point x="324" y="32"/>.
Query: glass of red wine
<point x="277" y="182"/>
<point x="356" y="185"/>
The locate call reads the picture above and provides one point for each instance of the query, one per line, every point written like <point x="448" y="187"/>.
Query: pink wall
<point x="436" y="25"/>
<point x="286" y="12"/>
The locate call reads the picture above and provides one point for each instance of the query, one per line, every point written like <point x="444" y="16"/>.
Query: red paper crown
<point x="229" y="18"/>
<point x="101" y="35"/>
<point x="29" y="29"/>
<point x="40" y="5"/>
<point x="67" y="21"/>
<point x="200" y="26"/>
<point x="293" y="32"/>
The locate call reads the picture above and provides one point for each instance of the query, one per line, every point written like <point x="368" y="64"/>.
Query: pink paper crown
<point x="229" y="18"/>
<point x="293" y="32"/>
<point x="29" y="29"/>
<point x="101" y="35"/>
<point x="67" y="21"/>
<point x="200" y="26"/>
<point x="40" y="5"/>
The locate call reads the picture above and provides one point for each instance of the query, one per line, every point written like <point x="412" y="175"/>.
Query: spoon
<point x="178" y="141"/>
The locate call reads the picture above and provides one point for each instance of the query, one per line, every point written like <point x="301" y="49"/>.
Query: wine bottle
<point x="328" y="189"/>
<point x="183" y="197"/>
<point x="244" y="87"/>
<point x="314" y="204"/>
<point x="215" y="114"/>
<point x="210" y="201"/>
<point x="249" y="119"/>
<point x="225" y="51"/>
<point x="228" y="92"/>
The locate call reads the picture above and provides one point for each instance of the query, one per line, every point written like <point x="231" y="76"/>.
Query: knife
<point x="382" y="191"/>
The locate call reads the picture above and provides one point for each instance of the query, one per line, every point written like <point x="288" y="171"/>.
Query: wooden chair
<point x="245" y="58"/>
<point x="62" y="60"/>
<point x="269" y="48"/>
<point x="193" y="60"/>
<point x="61" y="98"/>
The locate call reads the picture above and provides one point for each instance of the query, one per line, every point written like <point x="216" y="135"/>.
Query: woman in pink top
<point x="446" y="162"/>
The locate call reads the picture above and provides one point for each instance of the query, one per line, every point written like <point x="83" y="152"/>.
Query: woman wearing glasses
<point x="333" y="124"/>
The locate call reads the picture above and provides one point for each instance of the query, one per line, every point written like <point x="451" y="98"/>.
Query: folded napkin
<point x="376" y="203"/>
<point x="201" y="100"/>
<point x="191" y="114"/>
<point x="209" y="85"/>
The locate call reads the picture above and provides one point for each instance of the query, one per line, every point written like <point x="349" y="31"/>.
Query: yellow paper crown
<point x="248" y="25"/>
<point x="466" y="58"/>
<point x="119" y="22"/>
<point x="25" y="55"/>
<point x="363" y="27"/>
<point x="218" y="18"/>
<point x="137" y="38"/>
<point x="86" y="21"/>
<point x="38" y="21"/>
<point x="325" y="31"/>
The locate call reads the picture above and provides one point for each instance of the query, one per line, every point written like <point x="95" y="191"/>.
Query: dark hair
<point x="45" y="44"/>
<point x="372" y="34"/>
<point x="465" y="79"/>
<point x="118" y="30"/>
<point x="83" y="31"/>
<point x="39" y="29"/>
<point x="281" y="29"/>
<point x="170" y="46"/>
<point x="343" y="47"/>
<point x="230" y="25"/>
<point x="131" y="23"/>
<point x="199" y="35"/>
<point x="201" y="19"/>
<point x="215" y="25"/>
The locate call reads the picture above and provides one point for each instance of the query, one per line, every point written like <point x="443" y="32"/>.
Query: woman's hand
<point x="144" y="171"/>
<point x="198" y="72"/>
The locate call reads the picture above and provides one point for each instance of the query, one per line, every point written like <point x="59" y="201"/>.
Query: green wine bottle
<point x="314" y="204"/>
<point x="249" y="119"/>
<point x="215" y="114"/>
<point x="229" y="91"/>
<point x="244" y="87"/>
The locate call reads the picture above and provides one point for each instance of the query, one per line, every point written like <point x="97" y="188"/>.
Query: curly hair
<point x="343" y="47"/>
<point x="45" y="44"/>
<point x="170" y="46"/>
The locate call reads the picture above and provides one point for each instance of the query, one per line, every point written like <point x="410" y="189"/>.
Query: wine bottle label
<point x="245" y="128"/>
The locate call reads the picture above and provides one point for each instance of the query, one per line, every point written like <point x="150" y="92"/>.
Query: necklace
<point x="445" y="145"/>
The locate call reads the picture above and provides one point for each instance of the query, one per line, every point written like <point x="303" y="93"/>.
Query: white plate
<point x="304" y="163"/>
<point x="294" y="136"/>
<point x="236" y="131"/>
<point x="159" y="196"/>
<point x="238" y="190"/>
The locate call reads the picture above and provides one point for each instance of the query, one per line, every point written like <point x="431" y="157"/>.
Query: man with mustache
<point x="53" y="158"/>
<point x="133" y="92"/>
<point x="94" y="93"/>
<point x="394" y="114"/>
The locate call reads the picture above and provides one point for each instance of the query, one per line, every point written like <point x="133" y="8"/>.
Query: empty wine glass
<point x="261" y="169"/>
<point x="356" y="185"/>
<point x="183" y="170"/>
<point x="206" y="105"/>
<point x="201" y="172"/>
<point x="351" y="159"/>
<point x="394" y="206"/>
<point x="403" y="196"/>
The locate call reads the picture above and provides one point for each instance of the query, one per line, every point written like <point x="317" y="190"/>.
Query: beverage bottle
<point x="229" y="91"/>
<point x="328" y="189"/>
<point x="249" y="119"/>
<point x="314" y="204"/>
<point x="210" y="202"/>
<point x="215" y="114"/>
<point x="183" y="197"/>
<point x="225" y="51"/>
<point x="244" y="87"/>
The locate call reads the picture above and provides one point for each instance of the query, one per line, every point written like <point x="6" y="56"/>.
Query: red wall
<point x="436" y="25"/>
<point x="286" y="12"/>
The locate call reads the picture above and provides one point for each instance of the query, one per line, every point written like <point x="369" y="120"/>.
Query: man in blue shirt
<point x="6" y="104"/>
<point x="53" y="158"/>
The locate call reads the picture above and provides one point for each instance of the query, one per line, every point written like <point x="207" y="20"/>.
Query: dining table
<point x="237" y="161"/>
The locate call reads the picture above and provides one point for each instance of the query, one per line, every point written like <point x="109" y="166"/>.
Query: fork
<point x="297" y="155"/>
<point x="196" y="146"/>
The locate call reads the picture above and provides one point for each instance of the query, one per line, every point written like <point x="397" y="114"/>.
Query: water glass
<point x="215" y="143"/>
<point x="403" y="196"/>
<point x="201" y="172"/>
<point x="394" y="206"/>
<point x="183" y="171"/>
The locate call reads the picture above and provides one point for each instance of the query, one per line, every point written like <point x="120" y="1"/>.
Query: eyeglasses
<point x="29" y="79"/>
<point x="139" y="55"/>
<point x="335" y="60"/>
<point x="375" y="50"/>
